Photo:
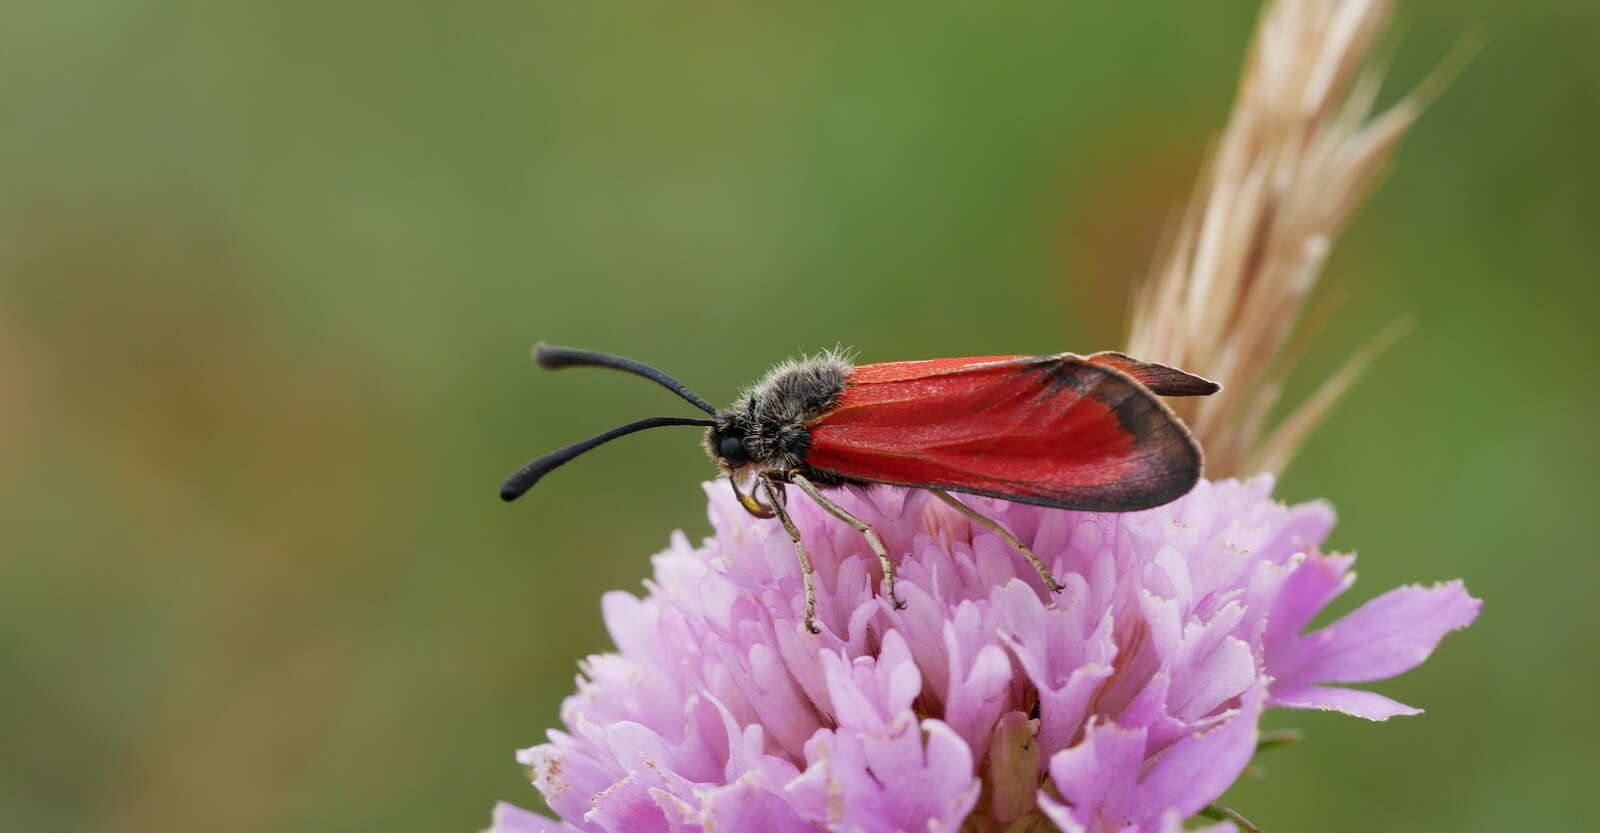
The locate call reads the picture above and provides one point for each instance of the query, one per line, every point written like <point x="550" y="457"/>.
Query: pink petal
<point x="626" y="807"/>
<point x="509" y="818"/>
<point x="1351" y="701"/>
<point x="745" y="806"/>
<point x="1196" y="770"/>
<point x="1095" y="775"/>
<point x="1384" y="637"/>
<point x="1305" y="593"/>
<point x="1105" y="780"/>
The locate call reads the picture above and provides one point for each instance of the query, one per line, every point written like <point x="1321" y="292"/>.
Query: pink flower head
<point x="1126" y="702"/>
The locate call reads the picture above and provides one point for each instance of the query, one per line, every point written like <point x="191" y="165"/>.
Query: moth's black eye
<point x="731" y="449"/>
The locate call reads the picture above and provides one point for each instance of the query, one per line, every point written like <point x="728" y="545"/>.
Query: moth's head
<point x="747" y="438"/>
<point x="735" y="442"/>
<point x="766" y="428"/>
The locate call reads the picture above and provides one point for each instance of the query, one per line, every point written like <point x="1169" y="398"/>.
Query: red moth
<point x="1075" y="432"/>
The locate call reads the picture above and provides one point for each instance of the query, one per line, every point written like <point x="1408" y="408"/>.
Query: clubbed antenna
<point x="523" y="479"/>
<point x="551" y="358"/>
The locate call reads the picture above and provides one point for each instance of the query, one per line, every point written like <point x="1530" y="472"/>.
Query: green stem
<point x="1218" y="812"/>
<point x="1278" y="739"/>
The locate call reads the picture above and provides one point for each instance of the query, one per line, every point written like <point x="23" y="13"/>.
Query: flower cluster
<point x="1126" y="702"/>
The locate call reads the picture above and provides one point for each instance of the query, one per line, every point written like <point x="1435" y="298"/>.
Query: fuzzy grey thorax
<point x="766" y="427"/>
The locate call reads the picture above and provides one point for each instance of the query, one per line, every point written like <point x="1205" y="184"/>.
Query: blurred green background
<point x="269" y="273"/>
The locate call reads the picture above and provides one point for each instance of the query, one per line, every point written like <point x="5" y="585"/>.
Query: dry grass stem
<point x="1301" y="151"/>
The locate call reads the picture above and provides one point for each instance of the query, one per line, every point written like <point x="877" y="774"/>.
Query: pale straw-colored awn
<point x="1301" y="151"/>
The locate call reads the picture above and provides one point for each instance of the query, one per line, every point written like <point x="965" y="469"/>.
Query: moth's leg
<point x="750" y="502"/>
<point x="861" y="526"/>
<point x="1044" y="572"/>
<point x="810" y="579"/>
